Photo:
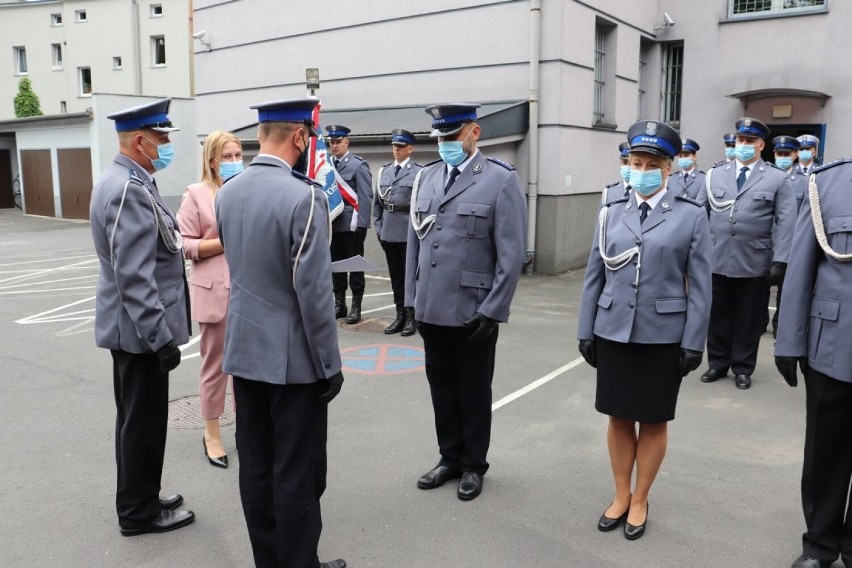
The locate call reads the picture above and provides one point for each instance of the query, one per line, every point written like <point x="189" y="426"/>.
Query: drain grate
<point x="366" y="325"/>
<point x="185" y="413"/>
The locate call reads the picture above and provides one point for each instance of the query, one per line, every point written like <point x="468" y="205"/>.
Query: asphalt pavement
<point x="727" y="494"/>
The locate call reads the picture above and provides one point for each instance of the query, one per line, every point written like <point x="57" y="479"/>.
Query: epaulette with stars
<point x="617" y="201"/>
<point x="688" y="199"/>
<point x="304" y="178"/>
<point x="509" y="167"/>
<point x="719" y="163"/>
<point x="830" y="165"/>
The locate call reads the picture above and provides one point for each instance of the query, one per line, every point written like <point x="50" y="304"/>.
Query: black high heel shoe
<point x="218" y="462"/>
<point x="633" y="532"/>
<point x="605" y="524"/>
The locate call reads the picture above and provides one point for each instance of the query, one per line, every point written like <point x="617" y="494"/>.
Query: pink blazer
<point x="210" y="281"/>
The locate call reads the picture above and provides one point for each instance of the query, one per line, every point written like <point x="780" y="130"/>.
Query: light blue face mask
<point x="165" y="155"/>
<point x="625" y="173"/>
<point x="744" y="152"/>
<point x="452" y="152"/>
<point x="685" y="163"/>
<point x="647" y="182"/>
<point x="805" y="155"/>
<point x="784" y="162"/>
<point x="227" y="170"/>
<point x="729" y="152"/>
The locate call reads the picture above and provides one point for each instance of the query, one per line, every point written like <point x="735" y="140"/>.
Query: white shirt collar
<point x="653" y="200"/>
<point x="463" y="165"/>
<point x="402" y="163"/>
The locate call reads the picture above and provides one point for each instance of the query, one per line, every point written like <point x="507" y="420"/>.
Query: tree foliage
<point x="26" y="101"/>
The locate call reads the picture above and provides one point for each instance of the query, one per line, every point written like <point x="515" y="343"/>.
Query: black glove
<point x="333" y="386"/>
<point x="484" y="325"/>
<point x="787" y="367"/>
<point x="689" y="361"/>
<point x="169" y="355"/>
<point x="361" y="235"/>
<point x="777" y="272"/>
<point x="589" y="351"/>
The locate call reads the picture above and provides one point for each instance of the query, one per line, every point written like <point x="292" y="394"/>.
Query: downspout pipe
<point x="532" y="135"/>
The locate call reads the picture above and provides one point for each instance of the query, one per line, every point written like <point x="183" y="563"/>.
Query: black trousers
<point x="737" y="320"/>
<point x="142" y="413"/>
<point x="459" y="374"/>
<point x="346" y="244"/>
<point x="281" y="437"/>
<point x="777" y="308"/>
<point x="395" y="254"/>
<point x="827" y="468"/>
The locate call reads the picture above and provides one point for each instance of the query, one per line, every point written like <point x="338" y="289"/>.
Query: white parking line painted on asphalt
<point x="13" y="292"/>
<point x="36" y="317"/>
<point x="378" y="309"/>
<point x="535" y="384"/>
<point x="47" y="271"/>
<point x="24" y="284"/>
<point x="90" y="256"/>
<point x="190" y="343"/>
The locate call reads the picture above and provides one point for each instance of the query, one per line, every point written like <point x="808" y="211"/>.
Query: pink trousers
<point x="213" y="381"/>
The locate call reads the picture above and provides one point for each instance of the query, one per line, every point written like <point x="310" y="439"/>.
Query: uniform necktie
<point x="741" y="179"/>
<point x="396" y="170"/>
<point x="454" y="173"/>
<point x="336" y="163"/>
<point x="685" y="176"/>
<point x="643" y="211"/>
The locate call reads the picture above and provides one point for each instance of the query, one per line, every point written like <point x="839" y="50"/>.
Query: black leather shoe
<point x="339" y="309"/>
<point x="410" y="325"/>
<point x="743" y="381"/>
<point x="437" y="477"/>
<point x="470" y="486"/>
<point x="633" y="532"/>
<point x="354" y="313"/>
<point x="805" y="561"/>
<point x="712" y="375"/>
<point x="221" y="461"/>
<point x="171" y="502"/>
<point x="164" y="522"/>
<point x="339" y="563"/>
<point x="397" y="324"/>
<point x="605" y="524"/>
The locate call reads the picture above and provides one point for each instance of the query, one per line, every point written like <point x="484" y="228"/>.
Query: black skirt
<point x="637" y="381"/>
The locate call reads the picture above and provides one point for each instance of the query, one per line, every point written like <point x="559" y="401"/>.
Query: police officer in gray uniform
<point x="752" y="214"/>
<point x="808" y="148"/>
<point x="281" y="337"/>
<point x="619" y="189"/>
<point x="786" y="149"/>
<point x="391" y="211"/>
<point x="465" y="254"/>
<point x="643" y="316"/>
<point x="689" y="181"/>
<point x="350" y="227"/>
<point x="730" y="146"/>
<point x="815" y="333"/>
<point x="141" y="311"/>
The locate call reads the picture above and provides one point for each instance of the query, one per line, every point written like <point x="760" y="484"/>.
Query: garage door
<point x="75" y="182"/>
<point x="38" y="182"/>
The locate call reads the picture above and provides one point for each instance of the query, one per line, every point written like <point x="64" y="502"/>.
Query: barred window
<point x="672" y="83"/>
<point x="756" y="8"/>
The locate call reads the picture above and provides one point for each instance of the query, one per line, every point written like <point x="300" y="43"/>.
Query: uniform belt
<point x="398" y="208"/>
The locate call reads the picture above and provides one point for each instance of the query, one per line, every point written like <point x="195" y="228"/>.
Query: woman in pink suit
<point x="209" y="279"/>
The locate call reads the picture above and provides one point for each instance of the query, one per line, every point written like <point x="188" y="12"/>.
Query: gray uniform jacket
<point x="392" y="202"/>
<point x="281" y="329"/>
<point x="141" y="298"/>
<point x="799" y="182"/>
<point x="816" y="308"/>
<point x="470" y="259"/>
<point x="355" y="171"/>
<point x="614" y="191"/>
<point x="757" y="229"/>
<point x="672" y="302"/>
<point x="689" y="187"/>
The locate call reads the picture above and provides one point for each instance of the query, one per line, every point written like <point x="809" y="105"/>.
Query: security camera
<point x="666" y="17"/>
<point x="199" y="35"/>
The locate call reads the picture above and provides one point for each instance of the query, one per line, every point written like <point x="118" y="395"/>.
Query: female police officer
<point x="643" y="316"/>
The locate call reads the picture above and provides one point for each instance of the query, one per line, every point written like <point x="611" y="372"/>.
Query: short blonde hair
<point x="212" y="152"/>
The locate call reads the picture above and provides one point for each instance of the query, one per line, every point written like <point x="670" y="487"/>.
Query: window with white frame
<point x="158" y="51"/>
<point x="81" y="16"/>
<point x="20" y="60"/>
<point x="156" y="10"/>
<point x="85" y="74"/>
<point x="56" y="51"/>
<point x="672" y="83"/>
<point x="644" y="49"/>
<point x="759" y="8"/>
<point x="116" y="62"/>
<point x="56" y="20"/>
